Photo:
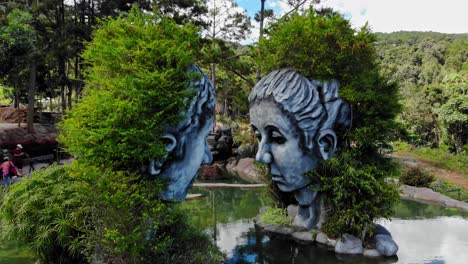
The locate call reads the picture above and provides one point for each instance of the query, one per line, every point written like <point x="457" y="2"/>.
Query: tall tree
<point x="18" y="39"/>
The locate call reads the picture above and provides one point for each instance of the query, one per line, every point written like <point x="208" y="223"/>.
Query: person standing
<point x="8" y="170"/>
<point x="18" y="157"/>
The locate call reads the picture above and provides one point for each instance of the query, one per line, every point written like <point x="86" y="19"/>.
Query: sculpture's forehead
<point x="268" y="113"/>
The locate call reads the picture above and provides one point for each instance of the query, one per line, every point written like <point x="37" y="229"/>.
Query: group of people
<point x="12" y="167"/>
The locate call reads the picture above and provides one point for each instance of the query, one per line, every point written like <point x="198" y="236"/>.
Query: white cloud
<point x="449" y="16"/>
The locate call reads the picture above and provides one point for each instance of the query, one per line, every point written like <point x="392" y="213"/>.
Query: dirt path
<point x="453" y="177"/>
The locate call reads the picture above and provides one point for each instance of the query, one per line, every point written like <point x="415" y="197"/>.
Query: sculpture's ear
<point x="326" y="142"/>
<point x="170" y="142"/>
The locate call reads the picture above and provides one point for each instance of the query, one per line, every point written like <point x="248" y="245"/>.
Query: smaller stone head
<point x="294" y="119"/>
<point x="185" y="144"/>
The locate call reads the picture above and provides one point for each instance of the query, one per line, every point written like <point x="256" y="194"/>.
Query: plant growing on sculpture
<point x="135" y="84"/>
<point x="355" y="194"/>
<point x="136" y="88"/>
<point x="324" y="46"/>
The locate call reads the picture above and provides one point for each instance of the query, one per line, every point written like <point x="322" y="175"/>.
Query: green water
<point x="223" y="205"/>
<point x="15" y="253"/>
<point x="425" y="233"/>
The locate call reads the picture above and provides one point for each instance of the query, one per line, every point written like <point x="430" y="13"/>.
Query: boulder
<point x="292" y="210"/>
<point x="386" y="245"/>
<point x="322" y="238"/>
<point x="304" y="236"/>
<point x="283" y="230"/>
<point x="212" y="172"/>
<point x="349" y="244"/>
<point x="245" y="169"/>
<point x="373" y="253"/>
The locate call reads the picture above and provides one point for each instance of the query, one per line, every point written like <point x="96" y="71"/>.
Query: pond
<point x="424" y="233"/>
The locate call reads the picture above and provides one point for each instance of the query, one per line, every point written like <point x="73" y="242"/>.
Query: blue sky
<point x="446" y="16"/>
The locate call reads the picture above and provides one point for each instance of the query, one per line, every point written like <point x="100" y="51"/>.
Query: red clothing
<point x="6" y="168"/>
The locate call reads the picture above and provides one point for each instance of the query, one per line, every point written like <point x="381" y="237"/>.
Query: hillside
<point x="432" y="71"/>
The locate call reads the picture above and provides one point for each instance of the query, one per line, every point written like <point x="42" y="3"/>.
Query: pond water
<point x="424" y="233"/>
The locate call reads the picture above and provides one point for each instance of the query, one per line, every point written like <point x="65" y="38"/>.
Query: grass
<point x="439" y="158"/>
<point x="451" y="190"/>
<point x="276" y="216"/>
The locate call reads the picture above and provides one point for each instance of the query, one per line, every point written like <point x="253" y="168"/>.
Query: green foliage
<point x="454" y="117"/>
<point x="276" y="216"/>
<point x="416" y="176"/>
<point x="450" y="189"/>
<point x="49" y="211"/>
<point x="324" y="46"/>
<point x="135" y="84"/>
<point x="432" y="69"/>
<point x="243" y="135"/>
<point x="17" y="40"/>
<point x="356" y="194"/>
<point x="440" y="158"/>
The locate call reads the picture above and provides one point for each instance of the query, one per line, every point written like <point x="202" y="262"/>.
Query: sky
<point x="445" y="16"/>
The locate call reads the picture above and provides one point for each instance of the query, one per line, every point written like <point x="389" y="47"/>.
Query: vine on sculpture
<point x="294" y="120"/>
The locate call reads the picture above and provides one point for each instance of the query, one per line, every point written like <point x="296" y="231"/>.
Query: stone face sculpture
<point x="294" y="120"/>
<point x="186" y="144"/>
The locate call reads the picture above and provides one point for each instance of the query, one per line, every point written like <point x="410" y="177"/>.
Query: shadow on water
<point x="425" y="233"/>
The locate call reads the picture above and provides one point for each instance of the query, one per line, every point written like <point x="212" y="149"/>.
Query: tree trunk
<point x="260" y="36"/>
<point x="213" y="81"/>
<point x="31" y="97"/>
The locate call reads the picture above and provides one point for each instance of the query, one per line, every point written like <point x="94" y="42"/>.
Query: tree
<point x="18" y="40"/>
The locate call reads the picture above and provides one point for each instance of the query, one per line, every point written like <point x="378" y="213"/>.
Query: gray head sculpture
<point x="186" y="146"/>
<point x="294" y="120"/>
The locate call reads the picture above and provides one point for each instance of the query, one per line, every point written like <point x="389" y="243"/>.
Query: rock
<point x="246" y="151"/>
<point x="380" y="230"/>
<point x="332" y="242"/>
<point x="212" y="172"/>
<point x="322" y="238"/>
<point x="279" y="230"/>
<point x="386" y="245"/>
<point x="304" y="236"/>
<point x="292" y="210"/>
<point x="192" y="196"/>
<point x="373" y="253"/>
<point x="263" y="209"/>
<point x="349" y="244"/>
<point x="427" y="195"/>
<point x="246" y="170"/>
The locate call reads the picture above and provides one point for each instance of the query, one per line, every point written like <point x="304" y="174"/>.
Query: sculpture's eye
<point x="277" y="137"/>
<point x="258" y="135"/>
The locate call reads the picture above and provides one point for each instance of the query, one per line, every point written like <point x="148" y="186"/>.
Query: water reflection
<point x="425" y="233"/>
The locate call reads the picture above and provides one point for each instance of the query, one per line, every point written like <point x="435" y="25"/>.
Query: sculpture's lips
<point x="276" y="178"/>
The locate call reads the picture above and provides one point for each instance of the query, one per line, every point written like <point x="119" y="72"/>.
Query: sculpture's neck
<point x="308" y="214"/>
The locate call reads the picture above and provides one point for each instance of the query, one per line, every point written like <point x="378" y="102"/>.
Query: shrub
<point x="135" y="84"/>
<point x="416" y="176"/>
<point x="355" y="194"/>
<point x="50" y="211"/>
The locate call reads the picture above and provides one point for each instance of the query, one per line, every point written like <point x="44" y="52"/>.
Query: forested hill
<point x="432" y="70"/>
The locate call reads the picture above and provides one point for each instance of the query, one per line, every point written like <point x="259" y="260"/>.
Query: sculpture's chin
<point x="177" y="191"/>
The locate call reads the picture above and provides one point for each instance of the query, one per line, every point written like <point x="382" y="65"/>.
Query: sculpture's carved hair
<point x="312" y="105"/>
<point x="200" y="107"/>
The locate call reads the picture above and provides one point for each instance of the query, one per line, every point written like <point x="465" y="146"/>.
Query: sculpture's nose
<point x="263" y="154"/>
<point x="207" y="156"/>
